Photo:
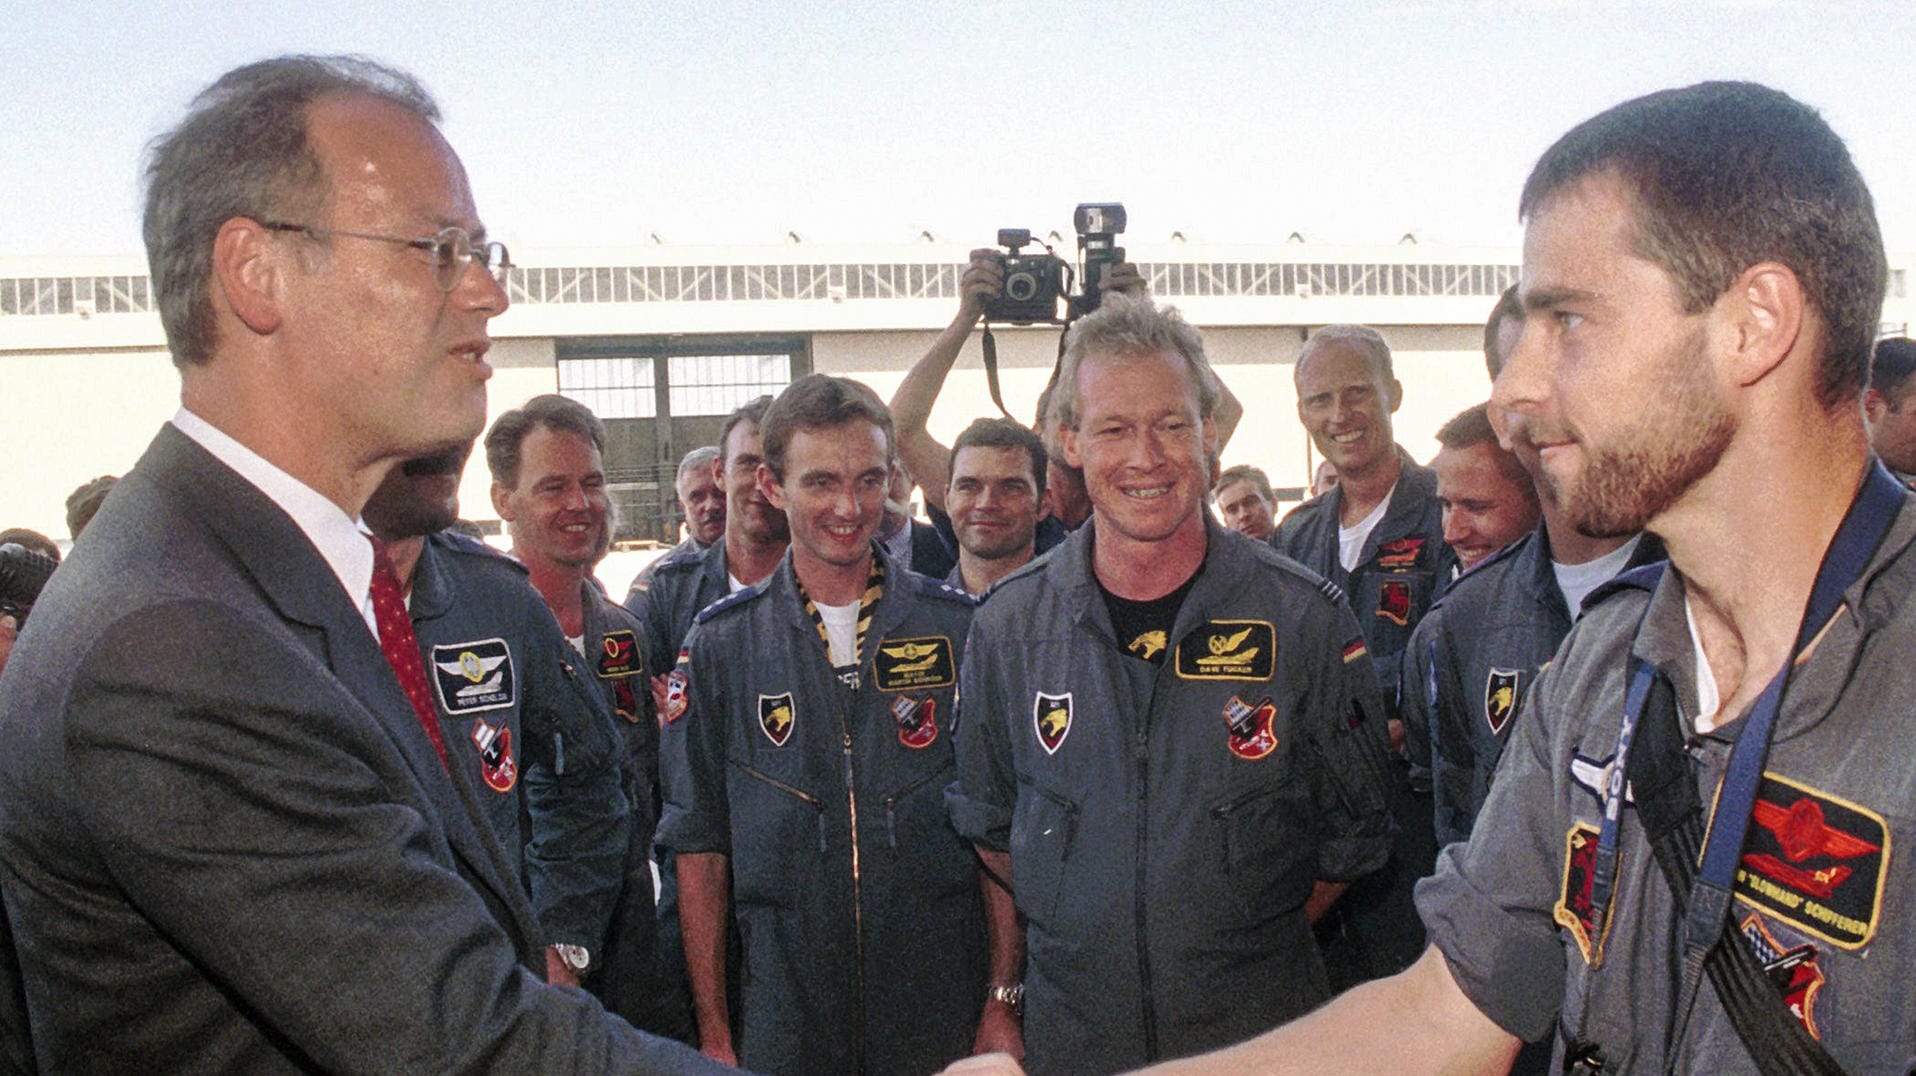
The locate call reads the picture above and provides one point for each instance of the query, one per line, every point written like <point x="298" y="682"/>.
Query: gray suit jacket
<point x="225" y="842"/>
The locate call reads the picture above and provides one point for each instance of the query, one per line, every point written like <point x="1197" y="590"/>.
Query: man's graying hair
<point x="243" y="151"/>
<point x="1124" y="328"/>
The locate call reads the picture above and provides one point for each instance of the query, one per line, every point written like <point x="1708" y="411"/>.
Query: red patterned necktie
<point x="401" y="646"/>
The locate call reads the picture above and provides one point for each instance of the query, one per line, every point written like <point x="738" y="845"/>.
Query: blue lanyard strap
<point x="1865" y="525"/>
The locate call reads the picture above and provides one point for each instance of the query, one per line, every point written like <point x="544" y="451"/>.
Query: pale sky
<point x="723" y="121"/>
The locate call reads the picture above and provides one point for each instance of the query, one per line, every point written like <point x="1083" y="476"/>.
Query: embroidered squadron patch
<point x="618" y="654"/>
<point x="1814" y="862"/>
<point x="776" y="717"/>
<point x="472" y="677"/>
<point x="1793" y="971"/>
<point x="1250" y="728"/>
<point x="1500" y="698"/>
<point x="1393" y="601"/>
<point x="496" y="765"/>
<point x="1400" y="555"/>
<point x="1228" y="650"/>
<point x="917" y="720"/>
<point x="1051" y="717"/>
<point x="677" y="686"/>
<point x="911" y="664"/>
<point x="1574" y="911"/>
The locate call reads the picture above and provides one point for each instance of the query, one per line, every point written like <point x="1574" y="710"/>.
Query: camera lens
<point x="1021" y="286"/>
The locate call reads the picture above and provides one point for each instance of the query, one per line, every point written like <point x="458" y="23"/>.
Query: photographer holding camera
<point x="983" y="295"/>
<point x="27" y="560"/>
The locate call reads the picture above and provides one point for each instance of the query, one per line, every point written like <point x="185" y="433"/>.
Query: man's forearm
<point x="1416" y="1021"/>
<point x="705" y="897"/>
<point x="1003" y="934"/>
<point x="928" y="461"/>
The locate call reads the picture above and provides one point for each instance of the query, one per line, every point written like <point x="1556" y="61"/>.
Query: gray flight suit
<point x="665" y="597"/>
<point x="639" y="978"/>
<point x="1161" y="858"/>
<point x="523" y="726"/>
<point x="1472" y="659"/>
<point x="858" y="905"/>
<point x="1404" y="565"/>
<point x="1823" y="879"/>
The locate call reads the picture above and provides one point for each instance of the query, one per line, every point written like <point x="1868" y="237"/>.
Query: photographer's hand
<point x="929" y="461"/>
<point x="984" y="278"/>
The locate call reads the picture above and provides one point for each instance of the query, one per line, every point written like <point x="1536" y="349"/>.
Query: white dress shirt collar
<point x="340" y="539"/>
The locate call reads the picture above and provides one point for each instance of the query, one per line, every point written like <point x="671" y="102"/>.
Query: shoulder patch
<point x="938" y="588"/>
<point x="725" y="603"/>
<point x="1331" y="591"/>
<point x="455" y="542"/>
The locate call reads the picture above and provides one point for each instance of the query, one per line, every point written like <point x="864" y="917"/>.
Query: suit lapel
<point x="302" y="587"/>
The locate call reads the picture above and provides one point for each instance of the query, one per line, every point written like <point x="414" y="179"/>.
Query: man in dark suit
<point x="229" y="842"/>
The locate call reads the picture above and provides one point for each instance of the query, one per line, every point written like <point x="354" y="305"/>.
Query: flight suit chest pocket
<point x="1043" y="829"/>
<point x="1265" y="850"/>
<point x="776" y="824"/>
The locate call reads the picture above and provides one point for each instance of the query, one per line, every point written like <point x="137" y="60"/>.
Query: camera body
<point x="1033" y="283"/>
<point x="23" y="574"/>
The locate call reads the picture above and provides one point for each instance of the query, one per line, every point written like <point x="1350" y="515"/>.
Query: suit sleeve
<point x="1453" y="765"/>
<point x="1345" y="722"/>
<point x="692" y="752"/>
<point x="265" y="823"/>
<point x="1415" y="704"/>
<point x="575" y="857"/>
<point x="981" y="800"/>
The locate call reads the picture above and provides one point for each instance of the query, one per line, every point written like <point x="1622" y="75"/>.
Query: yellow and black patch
<point x="914" y="664"/>
<point x="1229" y="650"/>
<point x="1815" y="862"/>
<point x="619" y="654"/>
<point x="776" y="717"/>
<point x="1051" y="717"/>
<point x="475" y="676"/>
<point x="1575" y="911"/>
<point x="1148" y="646"/>
<point x="1500" y="698"/>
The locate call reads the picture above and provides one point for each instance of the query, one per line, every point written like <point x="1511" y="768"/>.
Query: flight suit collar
<point x="1816" y="684"/>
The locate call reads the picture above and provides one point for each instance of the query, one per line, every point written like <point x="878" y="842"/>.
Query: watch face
<point x="575" y="956"/>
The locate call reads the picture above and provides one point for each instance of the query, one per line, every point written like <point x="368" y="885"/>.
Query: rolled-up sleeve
<point x="980" y="801"/>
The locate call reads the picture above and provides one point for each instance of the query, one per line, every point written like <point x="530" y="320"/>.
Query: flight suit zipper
<point x="891" y="803"/>
<point x="1142" y="754"/>
<point x="849" y="697"/>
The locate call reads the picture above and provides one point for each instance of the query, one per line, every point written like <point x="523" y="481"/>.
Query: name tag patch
<point x="618" y="654"/>
<point x="1814" y="862"/>
<point x="472" y="677"/>
<point x="1229" y="650"/>
<point x="914" y="664"/>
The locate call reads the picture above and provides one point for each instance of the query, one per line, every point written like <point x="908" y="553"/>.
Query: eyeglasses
<point x="451" y="249"/>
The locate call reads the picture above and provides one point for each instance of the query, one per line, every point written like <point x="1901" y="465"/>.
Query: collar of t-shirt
<point x="841" y="627"/>
<point x="1144" y="628"/>
<point x="1350" y="540"/>
<point x="1708" y="699"/>
<point x="340" y="539"/>
<point x="734" y="584"/>
<point x="1576" y="581"/>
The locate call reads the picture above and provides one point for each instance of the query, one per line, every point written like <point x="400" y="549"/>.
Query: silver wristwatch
<point x="574" y="956"/>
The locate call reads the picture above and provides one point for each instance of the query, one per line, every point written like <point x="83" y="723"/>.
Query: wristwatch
<point x="1012" y="994"/>
<point x="574" y="956"/>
